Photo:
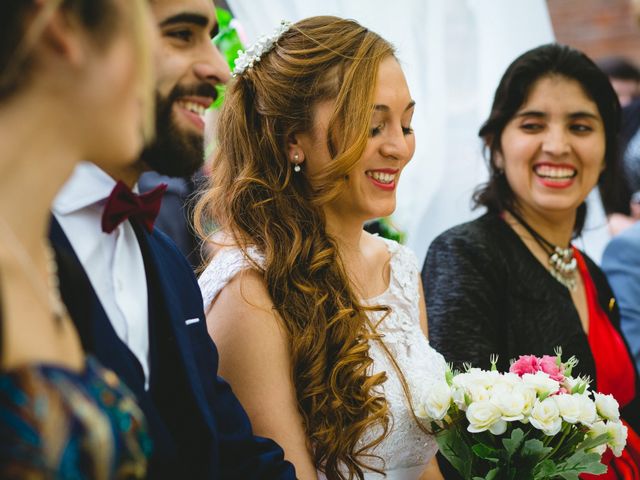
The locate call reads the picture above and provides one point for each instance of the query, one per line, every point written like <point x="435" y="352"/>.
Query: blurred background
<point x="453" y="54"/>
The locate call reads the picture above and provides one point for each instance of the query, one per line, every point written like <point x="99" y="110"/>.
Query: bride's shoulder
<point x="231" y="265"/>
<point x="225" y="253"/>
<point x="379" y="248"/>
<point x="237" y="296"/>
<point x="390" y="251"/>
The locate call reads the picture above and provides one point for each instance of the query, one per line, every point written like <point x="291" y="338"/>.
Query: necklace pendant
<point x="563" y="267"/>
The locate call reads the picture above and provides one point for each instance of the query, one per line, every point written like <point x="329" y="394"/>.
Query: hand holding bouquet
<point x="535" y="422"/>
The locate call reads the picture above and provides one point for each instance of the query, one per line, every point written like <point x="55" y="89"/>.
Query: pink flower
<point x="549" y="365"/>
<point x="525" y="364"/>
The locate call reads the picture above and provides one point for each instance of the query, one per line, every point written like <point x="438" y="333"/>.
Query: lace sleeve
<point x="221" y="270"/>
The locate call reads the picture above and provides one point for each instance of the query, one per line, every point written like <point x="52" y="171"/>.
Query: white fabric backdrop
<point x="453" y="53"/>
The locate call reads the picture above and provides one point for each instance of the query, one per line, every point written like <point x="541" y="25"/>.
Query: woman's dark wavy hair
<point x="515" y="86"/>
<point x="18" y="29"/>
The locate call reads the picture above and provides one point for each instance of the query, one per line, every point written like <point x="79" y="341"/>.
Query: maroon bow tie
<point x="123" y="204"/>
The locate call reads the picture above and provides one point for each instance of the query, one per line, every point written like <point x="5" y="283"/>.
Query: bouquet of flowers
<point x="535" y="421"/>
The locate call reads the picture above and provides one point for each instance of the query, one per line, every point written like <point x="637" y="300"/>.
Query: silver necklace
<point x="48" y="292"/>
<point x="562" y="264"/>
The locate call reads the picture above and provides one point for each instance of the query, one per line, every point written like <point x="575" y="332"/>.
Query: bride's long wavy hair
<point x="256" y="199"/>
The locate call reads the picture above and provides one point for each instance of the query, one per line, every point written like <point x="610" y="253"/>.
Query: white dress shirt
<point x="113" y="262"/>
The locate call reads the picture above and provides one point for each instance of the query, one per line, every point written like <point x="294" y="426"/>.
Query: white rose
<point x="511" y="379"/>
<point x="511" y="404"/>
<point x="607" y="406"/>
<point x="462" y="380"/>
<point x="545" y="416"/>
<point x="570" y="383"/>
<point x="542" y="383"/>
<point x="458" y="394"/>
<point x="570" y="407"/>
<point x="597" y="429"/>
<point x="466" y="388"/>
<point x="478" y="393"/>
<point x="475" y="378"/>
<point x="437" y="401"/>
<point x="459" y="389"/>
<point x="486" y="378"/>
<point x="587" y="410"/>
<point x="617" y="437"/>
<point x="529" y="395"/>
<point x="484" y="415"/>
<point x="459" y="380"/>
<point x="505" y="383"/>
<point x="501" y="389"/>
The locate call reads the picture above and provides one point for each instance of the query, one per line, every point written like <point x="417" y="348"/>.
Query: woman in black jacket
<point x="510" y="282"/>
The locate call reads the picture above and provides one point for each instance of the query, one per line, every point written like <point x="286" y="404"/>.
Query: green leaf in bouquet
<point x="590" y="443"/>
<point x="449" y="373"/>
<point x="567" y="444"/>
<point x="530" y="455"/>
<point x="491" y="475"/>
<point x="486" y="452"/>
<point x="582" y="462"/>
<point x="569" y="475"/>
<point x="544" y="470"/>
<point x="513" y="443"/>
<point x="593" y="466"/>
<point x="534" y="448"/>
<point x="454" y="448"/>
<point x="579" y="462"/>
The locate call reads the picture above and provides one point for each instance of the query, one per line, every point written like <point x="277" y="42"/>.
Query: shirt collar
<point x="88" y="185"/>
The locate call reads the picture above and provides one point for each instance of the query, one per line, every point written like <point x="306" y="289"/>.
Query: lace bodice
<point x="406" y="449"/>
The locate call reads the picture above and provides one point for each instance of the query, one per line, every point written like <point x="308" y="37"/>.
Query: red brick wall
<point x="597" y="27"/>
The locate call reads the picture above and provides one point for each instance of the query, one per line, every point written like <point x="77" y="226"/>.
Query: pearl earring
<point x="296" y="158"/>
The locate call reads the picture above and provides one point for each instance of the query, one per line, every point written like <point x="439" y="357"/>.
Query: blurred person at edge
<point x="75" y="83"/>
<point x="624" y="77"/>
<point x="621" y="257"/>
<point x="146" y="315"/>
<point x="624" y="209"/>
<point x="510" y="282"/>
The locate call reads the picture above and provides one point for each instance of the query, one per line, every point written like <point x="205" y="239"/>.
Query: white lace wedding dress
<point x="406" y="449"/>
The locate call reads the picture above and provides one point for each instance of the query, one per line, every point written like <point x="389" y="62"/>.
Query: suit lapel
<point x="176" y="312"/>
<point x="104" y="342"/>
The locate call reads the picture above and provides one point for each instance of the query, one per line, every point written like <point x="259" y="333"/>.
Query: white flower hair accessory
<point x="253" y="53"/>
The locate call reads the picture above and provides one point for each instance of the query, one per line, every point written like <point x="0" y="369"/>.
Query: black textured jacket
<point x="486" y="293"/>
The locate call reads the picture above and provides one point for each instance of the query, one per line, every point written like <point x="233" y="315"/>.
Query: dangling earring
<point x="296" y="158"/>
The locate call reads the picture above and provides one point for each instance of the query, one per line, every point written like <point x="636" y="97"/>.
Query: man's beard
<point x="175" y="152"/>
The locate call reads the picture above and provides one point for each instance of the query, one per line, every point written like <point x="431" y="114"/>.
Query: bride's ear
<point x="295" y="153"/>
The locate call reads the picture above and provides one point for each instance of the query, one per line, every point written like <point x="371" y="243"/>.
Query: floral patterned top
<point x="57" y="423"/>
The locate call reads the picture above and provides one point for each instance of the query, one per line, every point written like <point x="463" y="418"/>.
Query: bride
<point x="321" y="327"/>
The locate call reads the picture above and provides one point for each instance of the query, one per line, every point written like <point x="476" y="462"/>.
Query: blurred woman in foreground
<point x="75" y="83"/>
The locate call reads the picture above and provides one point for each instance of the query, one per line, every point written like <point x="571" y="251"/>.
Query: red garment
<point x="615" y="375"/>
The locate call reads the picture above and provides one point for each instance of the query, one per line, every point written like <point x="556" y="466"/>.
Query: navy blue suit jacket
<point x="621" y="264"/>
<point x="198" y="427"/>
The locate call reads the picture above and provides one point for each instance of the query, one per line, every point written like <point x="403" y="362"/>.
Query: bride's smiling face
<point x="370" y="190"/>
